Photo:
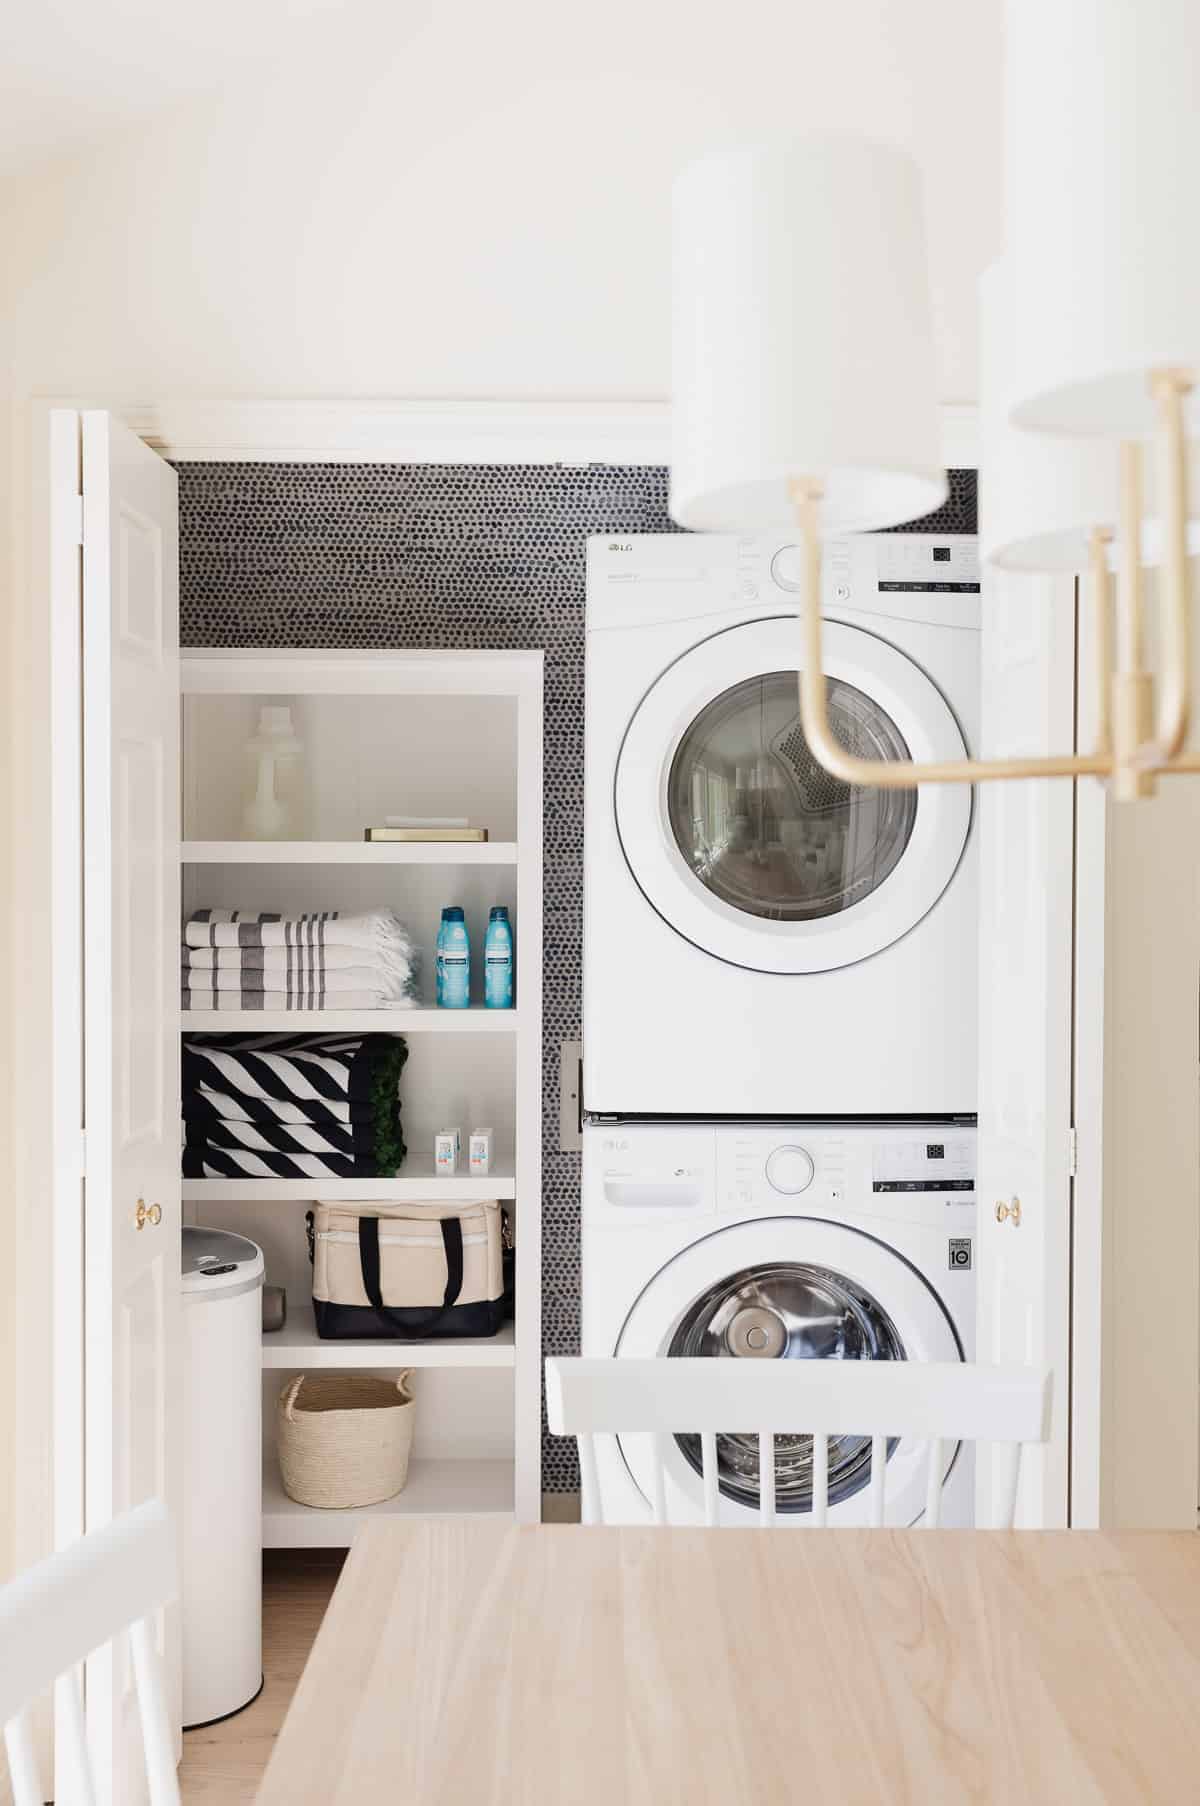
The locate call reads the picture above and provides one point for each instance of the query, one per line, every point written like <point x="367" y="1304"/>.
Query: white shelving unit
<point x="473" y="1021"/>
<point x="298" y="1345"/>
<point x="348" y="852"/>
<point x="425" y="733"/>
<point x="436" y="1489"/>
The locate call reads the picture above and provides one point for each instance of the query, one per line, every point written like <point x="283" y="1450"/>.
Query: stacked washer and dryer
<point x="780" y="978"/>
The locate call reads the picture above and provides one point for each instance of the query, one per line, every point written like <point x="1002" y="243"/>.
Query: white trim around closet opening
<point x="436" y="432"/>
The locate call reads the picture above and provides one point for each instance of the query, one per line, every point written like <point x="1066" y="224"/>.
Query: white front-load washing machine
<point x="792" y="1241"/>
<point x="761" y="939"/>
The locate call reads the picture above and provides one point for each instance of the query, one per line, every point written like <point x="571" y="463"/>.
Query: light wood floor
<point x="223" y="1765"/>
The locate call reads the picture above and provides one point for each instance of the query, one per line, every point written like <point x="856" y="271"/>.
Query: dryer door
<point x="788" y="1288"/>
<point x="744" y="844"/>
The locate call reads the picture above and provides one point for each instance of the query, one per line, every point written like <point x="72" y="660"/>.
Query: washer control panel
<point x="644" y="1173"/>
<point x="915" y="1170"/>
<point x="790" y="1169"/>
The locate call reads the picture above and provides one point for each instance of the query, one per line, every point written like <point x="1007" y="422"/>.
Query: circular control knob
<point x="790" y="1170"/>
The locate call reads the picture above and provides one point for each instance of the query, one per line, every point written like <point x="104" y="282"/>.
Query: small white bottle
<point x="479" y="1159"/>
<point x="276" y="805"/>
<point x="446" y="1144"/>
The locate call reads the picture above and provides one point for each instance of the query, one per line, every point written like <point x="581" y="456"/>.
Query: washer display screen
<point x="786" y="1311"/>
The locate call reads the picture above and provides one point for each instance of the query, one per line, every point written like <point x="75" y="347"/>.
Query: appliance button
<point x="790" y="1170"/>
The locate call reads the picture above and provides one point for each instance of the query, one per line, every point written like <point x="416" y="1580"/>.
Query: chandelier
<point x="804" y="393"/>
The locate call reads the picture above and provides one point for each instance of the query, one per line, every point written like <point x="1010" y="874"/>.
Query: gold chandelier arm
<point x="1168" y="388"/>
<point x="1099" y="541"/>
<point x="891" y="774"/>
<point x="1181" y="764"/>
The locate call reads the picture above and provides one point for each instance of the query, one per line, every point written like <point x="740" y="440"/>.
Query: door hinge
<point x="1072" y="1152"/>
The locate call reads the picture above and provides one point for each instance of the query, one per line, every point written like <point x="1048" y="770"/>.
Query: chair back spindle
<point x="55" y="1614"/>
<point x="932" y="1404"/>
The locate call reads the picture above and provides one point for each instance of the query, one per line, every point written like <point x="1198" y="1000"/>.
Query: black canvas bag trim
<point x="362" y="1323"/>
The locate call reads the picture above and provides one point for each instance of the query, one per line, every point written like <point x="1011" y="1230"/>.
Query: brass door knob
<point x="1009" y="1213"/>
<point x="153" y="1216"/>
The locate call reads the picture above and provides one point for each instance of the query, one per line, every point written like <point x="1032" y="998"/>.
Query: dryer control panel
<point x="652" y="578"/>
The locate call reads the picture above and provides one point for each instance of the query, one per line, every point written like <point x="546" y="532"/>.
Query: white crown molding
<point x="406" y="432"/>
<point x="438" y="432"/>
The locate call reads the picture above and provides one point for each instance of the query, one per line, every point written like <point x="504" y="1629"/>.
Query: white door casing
<point x="1026" y="902"/>
<point x="131" y="1062"/>
<point x="641" y="799"/>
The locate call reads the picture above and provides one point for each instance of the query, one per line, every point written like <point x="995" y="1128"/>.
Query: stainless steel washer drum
<point x="787" y="1288"/>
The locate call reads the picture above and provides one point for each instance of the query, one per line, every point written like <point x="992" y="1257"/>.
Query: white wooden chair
<point x="934" y="1401"/>
<point x="57" y="1613"/>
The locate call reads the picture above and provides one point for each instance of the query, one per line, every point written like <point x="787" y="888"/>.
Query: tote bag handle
<point x="368" y="1255"/>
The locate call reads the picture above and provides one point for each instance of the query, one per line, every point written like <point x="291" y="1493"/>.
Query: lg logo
<point x="620" y="545"/>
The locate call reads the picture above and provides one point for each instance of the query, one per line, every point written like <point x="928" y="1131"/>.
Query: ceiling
<point x="73" y="69"/>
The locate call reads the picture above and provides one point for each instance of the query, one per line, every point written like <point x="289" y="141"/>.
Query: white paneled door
<point x="130" y="921"/>
<point x="1026" y="888"/>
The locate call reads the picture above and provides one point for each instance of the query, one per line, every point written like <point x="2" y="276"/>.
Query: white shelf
<point x="475" y="1021"/>
<point x="416" y="1183"/>
<point x="349" y="852"/>
<point x="436" y="1489"/>
<point x="298" y="1345"/>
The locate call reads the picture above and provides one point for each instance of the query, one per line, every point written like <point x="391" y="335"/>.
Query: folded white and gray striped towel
<point x="378" y="930"/>
<point x="242" y="960"/>
<point x="281" y="959"/>
<point x="299" y="997"/>
<point x="274" y="978"/>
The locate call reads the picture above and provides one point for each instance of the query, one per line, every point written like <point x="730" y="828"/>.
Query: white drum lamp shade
<point x="1041" y="495"/>
<point x="1102" y="134"/>
<point x="802" y="339"/>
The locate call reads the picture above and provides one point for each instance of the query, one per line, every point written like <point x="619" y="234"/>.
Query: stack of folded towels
<point x="292" y="1106"/>
<point x="234" y="960"/>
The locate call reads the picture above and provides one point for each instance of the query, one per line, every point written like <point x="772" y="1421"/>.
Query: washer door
<point x="744" y="844"/>
<point x="788" y="1288"/>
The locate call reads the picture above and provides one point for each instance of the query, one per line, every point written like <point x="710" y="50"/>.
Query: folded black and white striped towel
<point x="294" y="1151"/>
<point x="300" y="1106"/>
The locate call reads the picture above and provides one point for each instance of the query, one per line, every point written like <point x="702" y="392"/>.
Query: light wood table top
<point x="476" y="1665"/>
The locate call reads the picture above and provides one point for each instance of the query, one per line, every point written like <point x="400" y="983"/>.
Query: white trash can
<point x="220" y="1548"/>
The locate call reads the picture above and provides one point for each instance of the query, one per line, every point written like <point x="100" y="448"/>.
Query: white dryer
<point x="787" y="1241"/>
<point x="761" y="939"/>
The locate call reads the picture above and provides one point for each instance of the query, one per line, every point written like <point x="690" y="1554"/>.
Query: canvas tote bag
<point x="407" y="1271"/>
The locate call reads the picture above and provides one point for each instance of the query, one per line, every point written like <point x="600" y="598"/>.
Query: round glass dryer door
<point x="788" y="1288"/>
<point x="749" y="848"/>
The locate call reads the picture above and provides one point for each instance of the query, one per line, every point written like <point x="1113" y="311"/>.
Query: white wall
<point x="480" y="207"/>
<point x="1151" y="1152"/>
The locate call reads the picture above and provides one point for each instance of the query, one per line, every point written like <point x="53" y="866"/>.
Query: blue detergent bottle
<point x="453" y="961"/>
<point x="498" y="961"/>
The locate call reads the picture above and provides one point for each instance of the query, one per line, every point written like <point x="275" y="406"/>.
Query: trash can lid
<point x="217" y="1263"/>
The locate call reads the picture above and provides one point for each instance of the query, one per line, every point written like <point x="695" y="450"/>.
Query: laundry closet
<point x="155" y="832"/>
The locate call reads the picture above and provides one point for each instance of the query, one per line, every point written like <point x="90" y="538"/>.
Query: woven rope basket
<point x="344" y="1438"/>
